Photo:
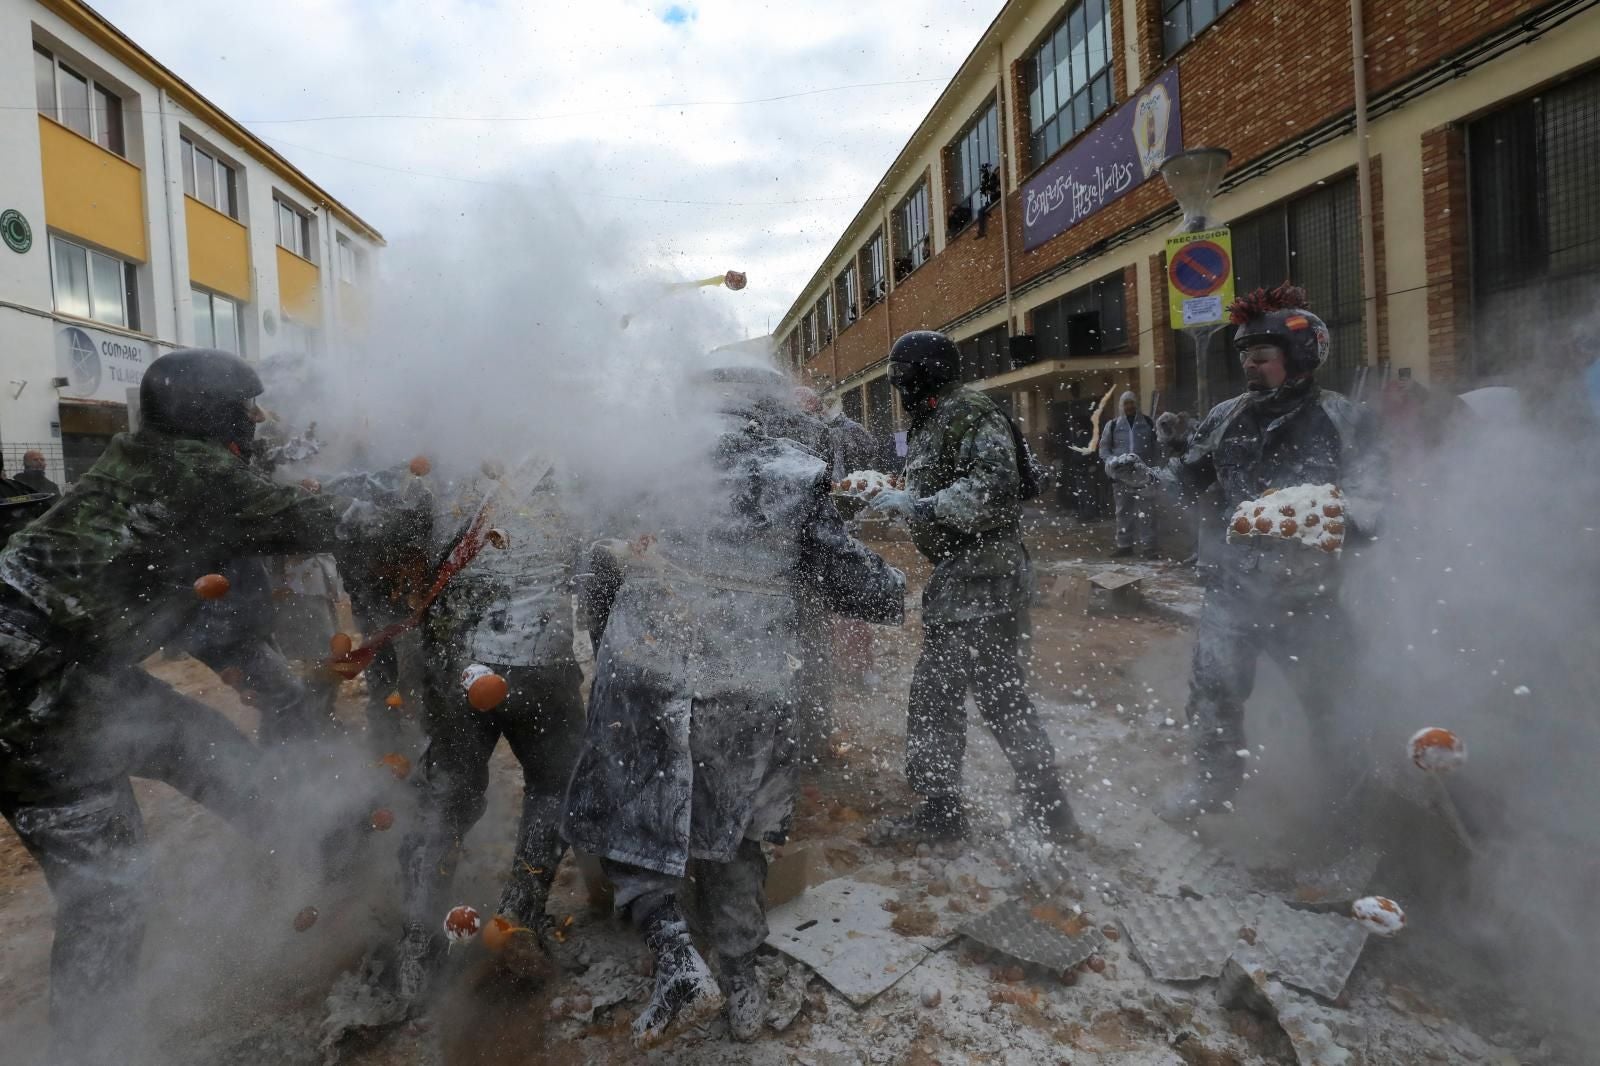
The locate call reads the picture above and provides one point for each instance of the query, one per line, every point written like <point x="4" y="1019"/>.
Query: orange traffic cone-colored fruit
<point x="212" y="587"/>
<point x="488" y="692"/>
<point x="421" y="466"/>
<point x="396" y="764"/>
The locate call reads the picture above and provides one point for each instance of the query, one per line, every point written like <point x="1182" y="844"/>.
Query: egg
<point x="1436" y="750"/>
<point x="212" y="587"/>
<point x="462" y="924"/>
<point x="1379" y="915"/>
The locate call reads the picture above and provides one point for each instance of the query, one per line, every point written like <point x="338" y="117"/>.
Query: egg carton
<point x="1182" y="939"/>
<point x="1172" y="863"/>
<point x="1012" y="930"/>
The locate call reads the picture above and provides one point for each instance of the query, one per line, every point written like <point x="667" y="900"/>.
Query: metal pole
<point x="1005" y="221"/>
<point x="1369" y="244"/>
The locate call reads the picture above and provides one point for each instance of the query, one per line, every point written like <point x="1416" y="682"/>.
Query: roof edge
<point x="90" y="22"/>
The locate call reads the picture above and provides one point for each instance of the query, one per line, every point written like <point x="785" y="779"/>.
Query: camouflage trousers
<point x="542" y="720"/>
<point x="71" y="737"/>
<point x="981" y="656"/>
<point x="727" y="905"/>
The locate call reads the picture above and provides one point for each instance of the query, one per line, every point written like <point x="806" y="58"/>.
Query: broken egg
<point x="462" y="924"/>
<point x="1436" y="750"/>
<point x="394" y="700"/>
<point x="498" y="933"/>
<point x="212" y="587"/>
<point x="1378" y="915"/>
<point x="498" y="538"/>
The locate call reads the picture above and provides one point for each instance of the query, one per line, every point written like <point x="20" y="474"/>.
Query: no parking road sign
<point x="1200" y="277"/>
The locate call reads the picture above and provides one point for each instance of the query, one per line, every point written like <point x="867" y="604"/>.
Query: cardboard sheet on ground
<point x="840" y="930"/>
<point x="1012" y="929"/>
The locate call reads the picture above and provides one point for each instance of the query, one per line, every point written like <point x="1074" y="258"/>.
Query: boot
<point x="936" y="820"/>
<point x="685" y="991"/>
<point x="416" y="960"/>
<point x="1209" y="788"/>
<point x="1048" y="811"/>
<point x="747" y="996"/>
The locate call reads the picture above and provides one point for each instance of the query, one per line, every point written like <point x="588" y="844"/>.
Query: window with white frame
<point x="974" y="169"/>
<point x="216" y="321"/>
<point x="78" y="102"/>
<point x="352" y="261"/>
<point x="294" y="231"/>
<point x="825" y="320"/>
<point x="1068" y="79"/>
<point x="913" y="239"/>
<point x="846" y="296"/>
<point x="93" y="285"/>
<point x="875" y="268"/>
<point x="209" y="180"/>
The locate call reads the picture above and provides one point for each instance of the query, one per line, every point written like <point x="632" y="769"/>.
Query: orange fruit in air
<point x="395" y="700"/>
<point x="498" y="933"/>
<point x="421" y="466"/>
<point x="1241" y="525"/>
<point x="305" y="919"/>
<point x="488" y="692"/>
<point x="383" y="819"/>
<point x="212" y="587"/>
<point x="341" y="644"/>
<point x="396" y="764"/>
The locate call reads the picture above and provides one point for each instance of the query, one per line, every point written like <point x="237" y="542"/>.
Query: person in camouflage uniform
<point x="89" y="591"/>
<point x="510" y="610"/>
<point x="1264" y="595"/>
<point x="688" y="761"/>
<point x="962" y="503"/>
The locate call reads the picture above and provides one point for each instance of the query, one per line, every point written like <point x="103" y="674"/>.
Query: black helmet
<point x="200" y="393"/>
<point x="921" y="363"/>
<point x="1279" y="317"/>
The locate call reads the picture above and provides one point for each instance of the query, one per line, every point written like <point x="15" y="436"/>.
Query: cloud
<point x="416" y="102"/>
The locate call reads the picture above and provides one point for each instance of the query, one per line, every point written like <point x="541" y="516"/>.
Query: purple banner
<point x="1119" y="155"/>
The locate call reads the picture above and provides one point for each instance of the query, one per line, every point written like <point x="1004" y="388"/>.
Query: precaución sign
<point x="1200" y="277"/>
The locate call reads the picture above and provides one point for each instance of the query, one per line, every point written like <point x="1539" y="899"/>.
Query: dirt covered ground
<point x="227" y="979"/>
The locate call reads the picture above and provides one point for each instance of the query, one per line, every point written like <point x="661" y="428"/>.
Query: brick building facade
<point x="1484" y="175"/>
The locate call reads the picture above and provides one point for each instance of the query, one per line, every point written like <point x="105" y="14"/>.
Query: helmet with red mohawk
<point x="1279" y="317"/>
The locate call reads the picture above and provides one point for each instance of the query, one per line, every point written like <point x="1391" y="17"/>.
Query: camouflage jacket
<point x="961" y="466"/>
<point x="112" y="566"/>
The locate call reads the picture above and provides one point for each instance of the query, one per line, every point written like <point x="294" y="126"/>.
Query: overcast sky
<point x="773" y="183"/>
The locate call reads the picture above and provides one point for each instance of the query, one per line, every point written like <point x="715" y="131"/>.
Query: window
<point x="296" y="337"/>
<point x="808" y="338"/>
<point x="94" y="285"/>
<point x="973" y="163"/>
<point x="875" y="266"/>
<point x="1068" y="79"/>
<point x="913" y="242"/>
<point x="845" y="299"/>
<point x="825" y="320"/>
<point x="76" y="102"/>
<point x="985" y="355"/>
<point x="351" y="261"/>
<point x="294" y="231"/>
<point x="210" y="180"/>
<point x="1314" y="240"/>
<point x="1182" y="20"/>
<point x="216" y="321"/>
<point x="1535" y="221"/>
<point x="1087" y="321"/>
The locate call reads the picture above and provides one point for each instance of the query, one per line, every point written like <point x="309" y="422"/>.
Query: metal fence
<point x="55" y="466"/>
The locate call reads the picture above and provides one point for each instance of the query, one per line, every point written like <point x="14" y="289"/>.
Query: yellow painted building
<point x="137" y="217"/>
